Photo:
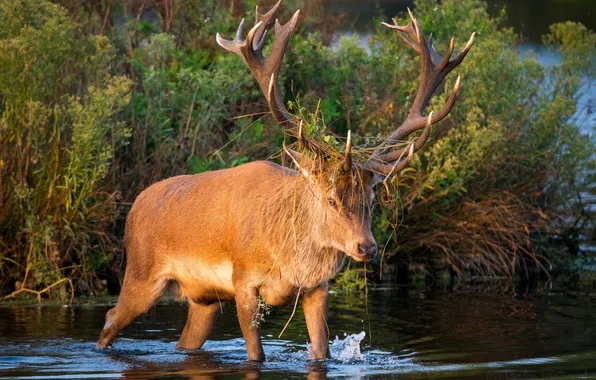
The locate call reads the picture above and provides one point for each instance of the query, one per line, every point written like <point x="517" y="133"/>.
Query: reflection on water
<point x="413" y="333"/>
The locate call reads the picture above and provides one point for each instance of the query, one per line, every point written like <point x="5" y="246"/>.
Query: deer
<point x="262" y="232"/>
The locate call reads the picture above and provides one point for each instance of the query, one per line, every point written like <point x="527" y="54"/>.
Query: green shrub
<point x="511" y="160"/>
<point x="60" y="129"/>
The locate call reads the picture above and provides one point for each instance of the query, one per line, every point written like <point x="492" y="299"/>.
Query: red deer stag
<point x="261" y="231"/>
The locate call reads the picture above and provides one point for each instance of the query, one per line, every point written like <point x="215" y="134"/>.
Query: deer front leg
<point x="247" y="305"/>
<point x="314" y="304"/>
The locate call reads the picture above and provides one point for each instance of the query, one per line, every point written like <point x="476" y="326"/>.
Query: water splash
<point x="347" y="350"/>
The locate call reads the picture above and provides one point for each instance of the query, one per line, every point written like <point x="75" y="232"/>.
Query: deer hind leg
<point x="135" y="299"/>
<point x="201" y="319"/>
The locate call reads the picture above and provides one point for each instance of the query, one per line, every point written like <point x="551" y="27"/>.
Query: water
<point x="411" y="333"/>
<point x="530" y="18"/>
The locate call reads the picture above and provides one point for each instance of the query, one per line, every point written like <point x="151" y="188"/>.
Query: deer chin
<point x="351" y="250"/>
<point x="359" y="258"/>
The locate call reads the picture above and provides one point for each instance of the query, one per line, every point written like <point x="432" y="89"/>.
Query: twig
<point x="38" y="293"/>
<point x="293" y="312"/>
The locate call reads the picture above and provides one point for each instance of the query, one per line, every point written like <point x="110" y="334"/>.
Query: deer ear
<point x="302" y="162"/>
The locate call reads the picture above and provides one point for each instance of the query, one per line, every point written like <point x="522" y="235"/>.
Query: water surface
<point x="529" y="18"/>
<point x="408" y="333"/>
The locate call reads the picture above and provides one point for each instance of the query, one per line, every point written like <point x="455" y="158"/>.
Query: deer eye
<point x="332" y="202"/>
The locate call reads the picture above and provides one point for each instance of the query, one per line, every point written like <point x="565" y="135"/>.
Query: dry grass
<point x="490" y="235"/>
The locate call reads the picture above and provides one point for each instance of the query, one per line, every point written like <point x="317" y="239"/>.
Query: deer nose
<point x="368" y="251"/>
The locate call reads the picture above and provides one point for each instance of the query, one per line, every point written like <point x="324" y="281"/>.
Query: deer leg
<point x="247" y="305"/>
<point x="314" y="304"/>
<point x="135" y="299"/>
<point x="201" y="319"/>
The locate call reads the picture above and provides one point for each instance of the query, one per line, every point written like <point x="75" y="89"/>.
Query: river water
<point x="408" y="333"/>
<point x="530" y="18"/>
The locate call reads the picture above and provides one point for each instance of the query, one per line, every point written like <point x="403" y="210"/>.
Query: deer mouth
<point x="361" y="258"/>
<point x="363" y="254"/>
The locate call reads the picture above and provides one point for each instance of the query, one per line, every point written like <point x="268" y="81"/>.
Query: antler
<point x="347" y="165"/>
<point x="265" y="69"/>
<point x="434" y="69"/>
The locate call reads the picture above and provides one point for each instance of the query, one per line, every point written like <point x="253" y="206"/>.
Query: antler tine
<point x="408" y="29"/>
<point x="233" y="45"/>
<point x="239" y="31"/>
<point x="462" y="54"/>
<point x="393" y="155"/>
<point x="388" y="169"/>
<point x="447" y="55"/>
<point x="282" y="35"/>
<point x="272" y="65"/>
<point x="347" y="165"/>
<point x="400" y="165"/>
<point x="434" y="68"/>
<point x="416" y="27"/>
<point x="246" y="47"/>
<point x="265" y="19"/>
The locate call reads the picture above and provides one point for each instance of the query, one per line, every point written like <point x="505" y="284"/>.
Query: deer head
<point x="342" y="190"/>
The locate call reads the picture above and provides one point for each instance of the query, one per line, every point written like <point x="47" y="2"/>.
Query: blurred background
<point x="530" y="18"/>
<point x="102" y="98"/>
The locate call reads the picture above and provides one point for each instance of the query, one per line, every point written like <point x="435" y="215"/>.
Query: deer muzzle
<point x="366" y="251"/>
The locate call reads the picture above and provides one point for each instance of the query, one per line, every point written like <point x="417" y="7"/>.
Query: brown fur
<point x="257" y="230"/>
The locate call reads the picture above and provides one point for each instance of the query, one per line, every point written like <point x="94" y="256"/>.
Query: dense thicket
<point x="98" y="101"/>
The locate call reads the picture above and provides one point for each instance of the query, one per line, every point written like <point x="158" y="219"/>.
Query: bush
<point x="498" y="182"/>
<point x="510" y="163"/>
<point x="60" y="129"/>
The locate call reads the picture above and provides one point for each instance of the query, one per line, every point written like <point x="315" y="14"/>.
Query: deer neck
<point x="294" y="233"/>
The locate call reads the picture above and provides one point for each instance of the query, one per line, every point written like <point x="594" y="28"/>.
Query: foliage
<point x="351" y="279"/>
<point x="178" y="110"/>
<point x="510" y="162"/>
<point x="499" y="181"/>
<point x="59" y="130"/>
<point x="261" y="311"/>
